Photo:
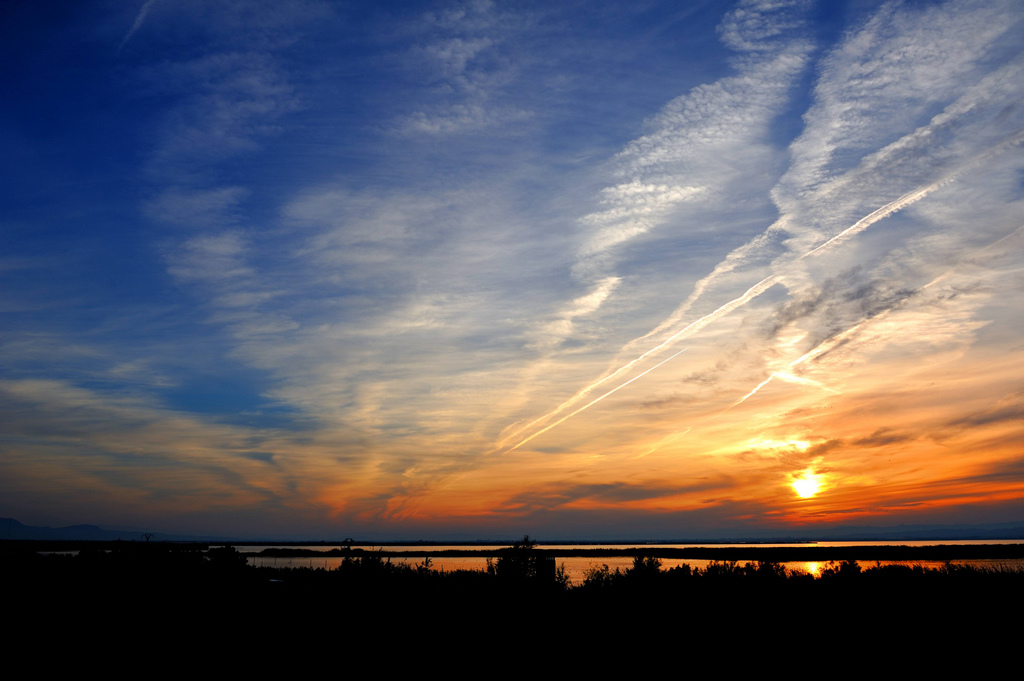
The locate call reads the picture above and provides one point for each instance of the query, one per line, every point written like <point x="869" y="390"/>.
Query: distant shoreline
<point x="749" y="552"/>
<point x="722" y="553"/>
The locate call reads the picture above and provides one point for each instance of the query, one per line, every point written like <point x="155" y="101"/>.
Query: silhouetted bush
<point x="644" y="568"/>
<point x="721" y="570"/>
<point x="226" y="559"/>
<point x="771" y="571"/>
<point x="599" y="578"/>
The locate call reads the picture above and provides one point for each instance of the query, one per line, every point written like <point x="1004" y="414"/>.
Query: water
<point x="578" y="567"/>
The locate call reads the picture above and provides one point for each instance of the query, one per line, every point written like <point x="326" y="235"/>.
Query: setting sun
<point x="807" y="485"/>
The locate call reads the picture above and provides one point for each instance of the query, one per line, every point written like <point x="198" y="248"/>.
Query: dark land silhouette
<point x="143" y="592"/>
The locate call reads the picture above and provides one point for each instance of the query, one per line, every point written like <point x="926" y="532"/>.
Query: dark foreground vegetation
<point x="163" y="591"/>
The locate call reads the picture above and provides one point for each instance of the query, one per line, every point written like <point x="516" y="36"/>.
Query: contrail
<point x="787" y="378"/>
<point x="664" y="441"/>
<point x="915" y="196"/>
<point x="819" y="349"/>
<point x="590" y="404"/>
<point x="139" y="18"/>
<point x="832" y="342"/>
<point x="727" y="265"/>
<point x="752" y="392"/>
<point x="730" y="262"/>
<point x="756" y="290"/>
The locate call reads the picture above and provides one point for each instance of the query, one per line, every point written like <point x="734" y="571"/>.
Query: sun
<point x="807" y="485"/>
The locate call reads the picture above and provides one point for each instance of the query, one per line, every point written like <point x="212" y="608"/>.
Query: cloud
<point x="1008" y="409"/>
<point x="883" y="437"/>
<point x="453" y="55"/>
<point x="691" y="154"/>
<point x="704" y="143"/>
<point x="886" y="80"/>
<point x="126" y="442"/>
<point x="460" y="118"/>
<point x="754" y="24"/>
<point x="139" y="18"/>
<point x="604" y="494"/>
<point x="222" y="101"/>
<point x="465" y="67"/>
<point x="554" y="333"/>
<point x="194" y="209"/>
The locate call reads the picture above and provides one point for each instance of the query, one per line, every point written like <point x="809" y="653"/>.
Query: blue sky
<point x="405" y="269"/>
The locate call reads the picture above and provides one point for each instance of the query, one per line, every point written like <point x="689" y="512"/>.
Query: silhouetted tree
<point x="226" y="559"/>
<point x="518" y="562"/>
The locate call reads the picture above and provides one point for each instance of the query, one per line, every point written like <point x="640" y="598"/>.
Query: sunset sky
<point x="657" y="269"/>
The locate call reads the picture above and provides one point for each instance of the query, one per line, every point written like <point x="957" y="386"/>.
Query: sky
<point x="312" y="269"/>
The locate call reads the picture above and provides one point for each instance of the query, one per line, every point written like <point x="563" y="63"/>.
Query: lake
<point x="577" y="567"/>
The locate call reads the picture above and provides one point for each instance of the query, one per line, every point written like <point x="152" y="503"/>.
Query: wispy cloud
<point x="139" y="18"/>
<point x="465" y="69"/>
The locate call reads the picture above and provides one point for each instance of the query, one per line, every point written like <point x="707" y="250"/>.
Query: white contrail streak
<point x="832" y="342"/>
<point x="139" y="18"/>
<point x="787" y="378"/>
<point x="590" y="404"/>
<point x="819" y="349"/>
<point x="756" y="290"/>
<point x="752" y="392"/>
<point x="732" y="260"/>
<point x="664" y="441"/>
<point x="916" y="195"/>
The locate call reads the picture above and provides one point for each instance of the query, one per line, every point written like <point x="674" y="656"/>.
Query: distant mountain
<point x="12" y="529"/>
